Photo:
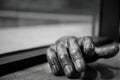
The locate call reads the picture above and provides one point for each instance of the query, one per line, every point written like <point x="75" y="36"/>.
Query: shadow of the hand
<point x="99" y="70"/>
<point x="90" y="74"/>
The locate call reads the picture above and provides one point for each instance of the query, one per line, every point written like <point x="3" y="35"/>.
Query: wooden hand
<point x="70" y="54"/>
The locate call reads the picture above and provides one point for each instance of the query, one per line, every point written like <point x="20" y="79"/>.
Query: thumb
<point x="107" y="52"/>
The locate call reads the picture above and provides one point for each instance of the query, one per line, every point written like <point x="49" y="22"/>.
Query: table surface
<point x="103" y="69"/>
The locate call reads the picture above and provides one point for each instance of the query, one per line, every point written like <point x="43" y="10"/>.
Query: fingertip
<point x="80" y="65"/>
<point x="70" y="72"/>
<point x="115" y="50"/>
<point x="56" y="70"/>
<point x="112" y="51"/>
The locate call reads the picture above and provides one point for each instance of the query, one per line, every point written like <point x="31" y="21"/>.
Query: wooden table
<point x="103" y="69"/>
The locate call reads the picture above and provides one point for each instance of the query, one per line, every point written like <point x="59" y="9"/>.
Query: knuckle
<point x="88" y="45"/>
<point x="51" y="56"/>
<point x="88" y="40"/>
<point x="61" y="49"/>
<point x="64" y="40"/>
<point x="50" y="52"/>
<point x="72" y="38"/>
<point x="88" y="37"/>
<point x="80" y="40"/>
<point x="73" y="44"/>
<point x="53" y="46"/>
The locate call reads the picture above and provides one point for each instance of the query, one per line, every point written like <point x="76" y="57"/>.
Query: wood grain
<point x="103" y="69"/>
<point x="39" y="72"/>
<point x="98" y="70"/>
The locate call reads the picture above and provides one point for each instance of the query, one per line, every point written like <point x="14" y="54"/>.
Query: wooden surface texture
<point x="103" y="69"/>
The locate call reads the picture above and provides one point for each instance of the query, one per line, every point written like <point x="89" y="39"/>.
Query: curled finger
<point x="65" y="61"/>
<point x="53" y="61"/>
<point x="76" y="55"/>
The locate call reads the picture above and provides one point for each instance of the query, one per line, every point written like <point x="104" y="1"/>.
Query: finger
<point x="65" y="60"/>
<point x="107" y="52"/>
<point x="53" y="61"/>
<point x="76" y="55"/>
<point x="88" y="46"/>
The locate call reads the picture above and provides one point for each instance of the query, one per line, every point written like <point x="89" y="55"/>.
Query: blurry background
<point x="27" y="24"/>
